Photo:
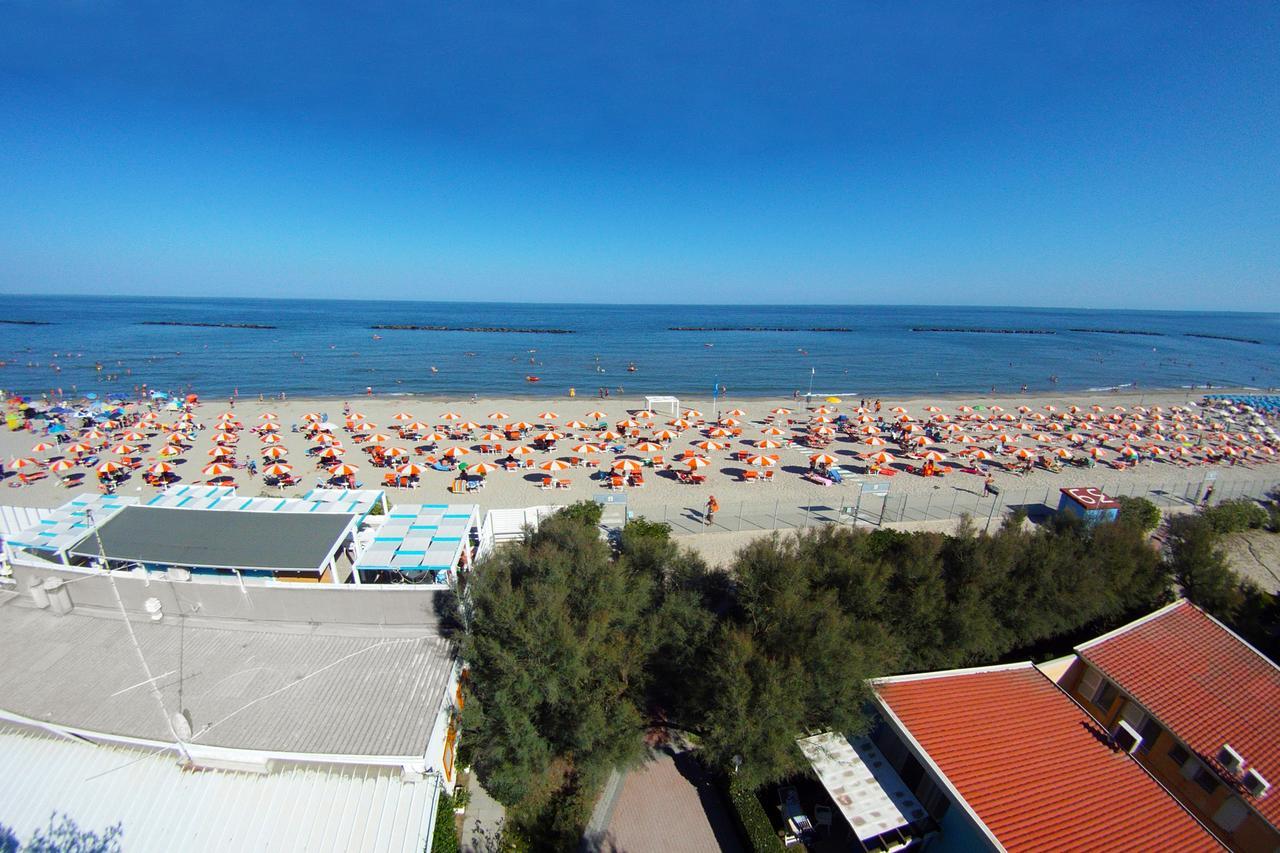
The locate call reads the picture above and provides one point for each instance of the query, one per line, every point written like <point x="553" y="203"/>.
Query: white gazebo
<point x="672" y="402"/>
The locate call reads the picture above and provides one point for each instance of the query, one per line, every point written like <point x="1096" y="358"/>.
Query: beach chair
<point x="637" y="479"/>
<point x="563" y="484"/>
<point x="617" y="482"/>
<point x="767" y="475"/>
<point x="547" y="483"/>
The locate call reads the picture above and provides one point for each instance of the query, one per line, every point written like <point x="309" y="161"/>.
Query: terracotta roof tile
<point x="1202" y="683"/>
<point x="1033" y="766"/>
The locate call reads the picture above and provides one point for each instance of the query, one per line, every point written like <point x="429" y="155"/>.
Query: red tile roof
<point x="1202" y="683"/>
<point x="1033" y="766"/>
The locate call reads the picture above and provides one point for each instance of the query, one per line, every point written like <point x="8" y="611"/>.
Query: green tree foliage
<point x="444" y="838"/>
<point x="1139" y="512"/>
<point x="63" y="835"/>
<point x="1236" y="515"/>
<point x="1199" y="564"/>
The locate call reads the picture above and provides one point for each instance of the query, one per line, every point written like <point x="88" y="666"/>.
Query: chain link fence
<point x="943" y="503"/>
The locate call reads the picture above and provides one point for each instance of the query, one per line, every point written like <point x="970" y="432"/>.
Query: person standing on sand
<point x="712" y="506"/>
<point x="989" y="486"/>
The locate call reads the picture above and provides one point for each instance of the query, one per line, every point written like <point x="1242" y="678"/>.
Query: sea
<point x="334" y="348"/>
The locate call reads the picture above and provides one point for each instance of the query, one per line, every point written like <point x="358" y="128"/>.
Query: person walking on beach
<point x="989" y="486"/>
<point x="712" y="506"/>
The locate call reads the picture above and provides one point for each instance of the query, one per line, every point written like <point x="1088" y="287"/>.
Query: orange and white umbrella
<point x="718" y="432"/>
<point x="881" y="458"/>
<point x="680" y="423"/>
<point x="271" y="439"/>
<point x="875" y="441"/>
<point x="410" y="469"/>
<point x="664" y="435"/>
<point x="773" y="430"/>
<point x="587" y="448"/>
<point x="932" y="456"/>
<point x="555" y="465"/>
<point x="491" y="436"/>
<point x="521" y="451"/>
<point x="646" y="415"/>
<point x="482" y="469"/>
<point x="402" y="416"/>
<point x="78" y="448"/>
<point x="395" y="451"/>
<point x="595" y="415"/>
<point x="216" y="469"/>
<point x="451" y="416"/>
<point x="780" y="411"/>
<point x="62" y="465"/>
<point x="1023" y="453"/>
<point x="762" y="459"/>
<point x="332" y="453"/>
<point x="628" y="465"/>
<point x="124" y="449"/>
<point x="1096" y="452"/>
<point x="648" y="446"/>
<point x="498" y="416"/>
<point x="377" y="438"/>
<point x="768" y="443"/>
<point x="980" y="454"/>
<point x="104" y="468"/>
<point x="225" y="437"/>
<point x="576" y="424"/>
<point x="270" y="427"/>
<point x="737" y="413"/>
<point x="455" y="452"/>
<point x="521" y="426"/>
<point x="160" y="469"/>
<point x="275" y="453"/>
<point x="549" y="435"/>
<point x="608" y="435"/>
<point x="343" y="469"/>
<point x="822" y="459"/>
<point x="170" y="450"/>
<point x="43" y="446"/>
<point x="277" y="469"/>
<point x="1061" y="453"/>
<point x="709" y="445"/>
<point x="696" y="462"/>
<point x="268" y="416"/>
<point x="692" y="413"/>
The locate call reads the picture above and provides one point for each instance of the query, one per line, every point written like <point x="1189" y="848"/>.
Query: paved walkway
<point x="668" y="804"/>
<point x="482" y="822"/>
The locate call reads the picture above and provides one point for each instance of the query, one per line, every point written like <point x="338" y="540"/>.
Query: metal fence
<point x="943" y="503"/>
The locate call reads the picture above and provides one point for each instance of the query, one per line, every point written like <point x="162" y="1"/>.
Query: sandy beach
<point x="662" y="495"/>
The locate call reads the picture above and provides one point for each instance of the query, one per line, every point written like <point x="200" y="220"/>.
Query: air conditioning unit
<point x="1255" y="784"/>
<point x="1126" y="737"/>
<point x="1230" y="759"/>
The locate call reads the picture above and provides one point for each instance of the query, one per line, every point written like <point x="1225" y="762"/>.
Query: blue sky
<point x="1078" y="154"/>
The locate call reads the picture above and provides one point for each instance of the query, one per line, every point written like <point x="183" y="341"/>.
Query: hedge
<point x="754" y="823"/>
<point x="445" y="837"/>
<point x="1236" y="515"/>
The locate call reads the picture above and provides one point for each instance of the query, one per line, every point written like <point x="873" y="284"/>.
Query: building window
<point x="1149" y="731"/>
<point x="1178" y="754"/>
<point x="1206" y="780"/>
<point x="1231" y="814"/>
<point x="1105" y="695"/>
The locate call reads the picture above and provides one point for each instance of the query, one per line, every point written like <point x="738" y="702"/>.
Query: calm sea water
<point x="327" y="348"/>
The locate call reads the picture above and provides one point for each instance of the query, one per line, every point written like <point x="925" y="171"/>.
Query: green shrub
<point x="1138" y="512"/>
<point x="445" y="837"/>
<point x="1236" y="515"/>
<point x="754" y="823"/>
<point x="588" y="511"/>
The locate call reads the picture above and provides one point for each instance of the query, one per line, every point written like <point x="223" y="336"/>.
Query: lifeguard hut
<point x="1089" y="503"/>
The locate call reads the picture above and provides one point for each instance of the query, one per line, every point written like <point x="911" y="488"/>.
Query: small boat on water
<point x="532" y="379"/>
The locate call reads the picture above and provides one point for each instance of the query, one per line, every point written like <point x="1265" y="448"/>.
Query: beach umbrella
<point x="964" y="409"/>
<point x="628" y="424"/>
<point x="824" y="431"/>
<point x="402" y="416"/>
<point x="780" y="411"/>
<point x="343" y="469"/>
<point x="608" y="435"/>
<point x="822" y="459"/>
<point x="768" y="443"/>
<point x="160" y="469"/>
<point x="645" y="415"/>
<point x="1061" y="453"/>
<point x="521" y="451"/>
<point x="62" y="465"/>
<point x="692" y="413"/>
<point x="277" y="469"/>
<point x="410" y="469"/>
<point x="881" y="458"/>
<point x="762" y="460"/>
<point x="416" y="426"/>
<point x="664" y="435"/>
<point x="275" y="453"/>
<point x="548" y="416"/>
<point x="433" y="437"/>
<point x="521" y="426"/>
<point x="709" y="445"/>
<point x="627" y="465"/>
<point x="271" y="439"/>
<point x="1155" y="450"/>
<point x="719" y="432"/>
<point x="78" y="448"/>
<point x="268" y="416"/>
<point x="586" y="448"/>
<point x="919" y="440"/>
<point x="932" y="456"/>
<point x="378" y="438"/>
<point x="1096" y="452"/>
<point x="491" y="436"/>
<point x="270" y="426"/>
<point x="455" y="452"/>
<point x="124" y="449"/>
<point x="681" y="423"/>
<point x="133" y="435"/>
<point x="980" y="454"/>
<point x="648" y="447"/>
<point x="332" y="453"/>
<point x="576" y="424"/>
<point x="43" y="446"/>
<point x="595" y="415"/>
<point x="963" y="439"/>
<point x="451" y="416"/>
<point x="395" y="451"/>
<point x="549" y="435"/>
<point x="877" y="441"/>
<point x="773" y="430"/>
<point x="224" y="437"/>
<point x="170" y="450"/>
<point x="215" y="469"/>
<point x="364" y="426"/>
<point x="95" y="435"/>
<point x="555" y="465"/>
<point x="106" y="468"/>
<point x="696" y="462"/>
<point x="498" y="416"/>
<point x="217" y="452"/>
<point x="481" y="470"/>
<point x="467" y="426"/>
<point x="1023" y="453"/>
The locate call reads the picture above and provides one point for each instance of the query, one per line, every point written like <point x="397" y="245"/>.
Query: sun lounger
<point x="815" y="477"/>
<point x="563" y="484"/>
<point x="547" y="483"/>
<point x="750" y="476"/>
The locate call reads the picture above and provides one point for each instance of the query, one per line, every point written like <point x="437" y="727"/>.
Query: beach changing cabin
<point x="1089" y="503"/>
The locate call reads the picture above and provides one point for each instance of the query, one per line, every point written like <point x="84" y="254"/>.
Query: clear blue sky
<point x="1082" y="154"/>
